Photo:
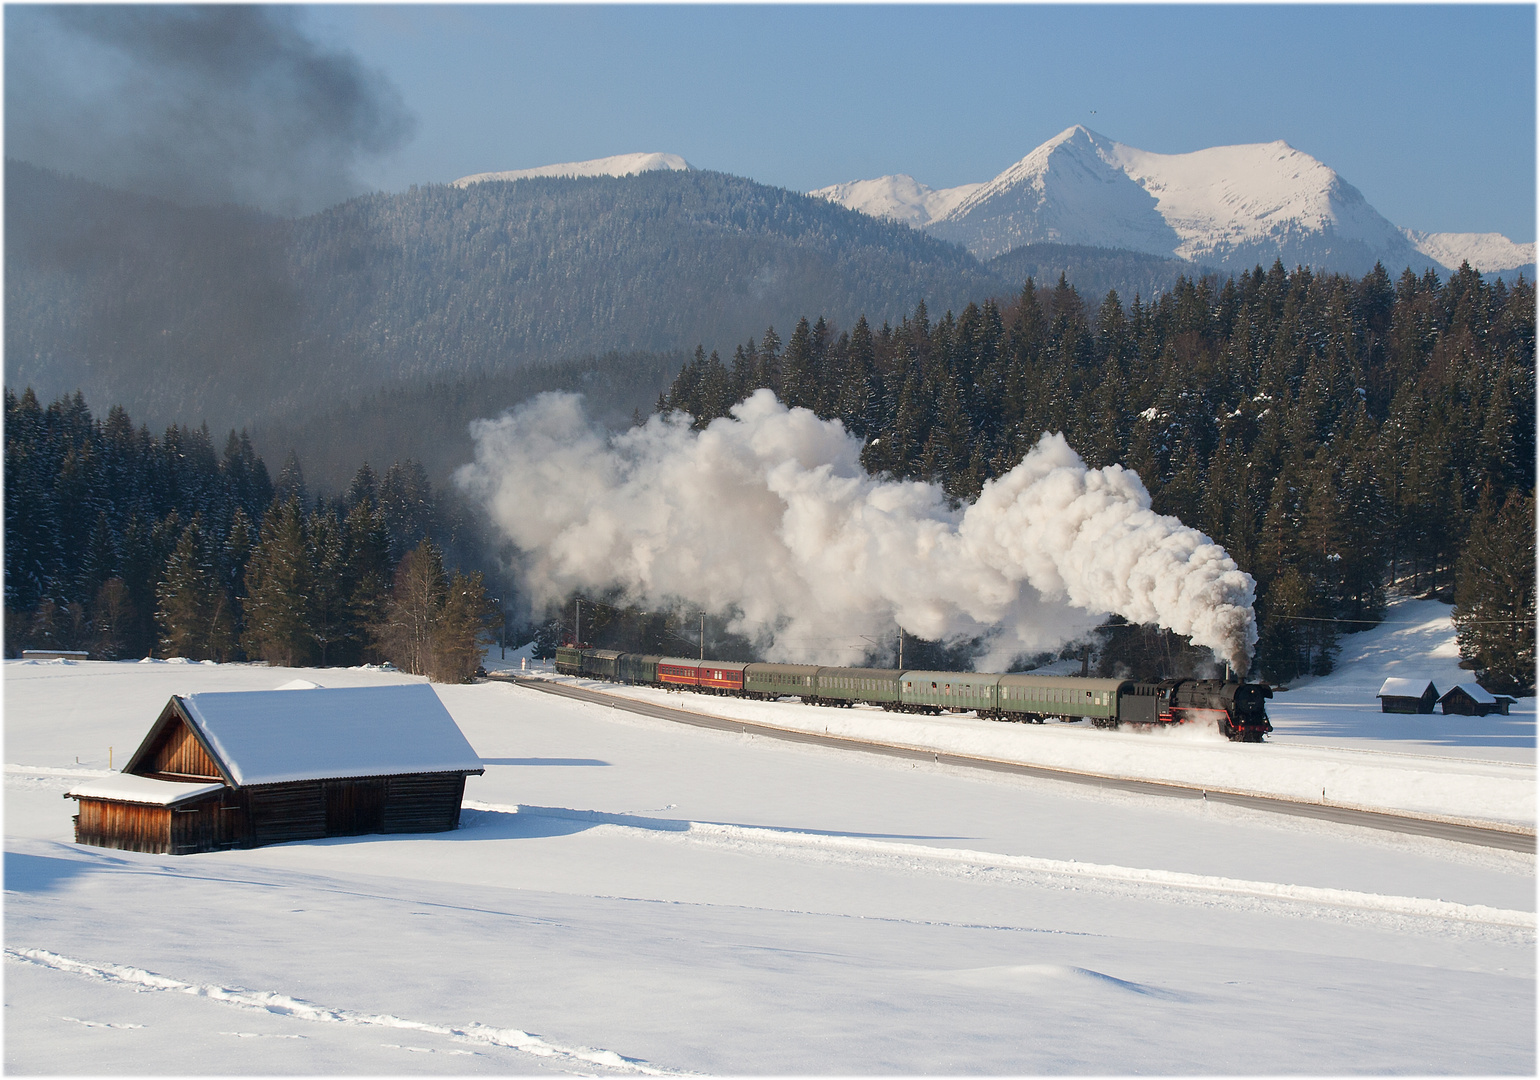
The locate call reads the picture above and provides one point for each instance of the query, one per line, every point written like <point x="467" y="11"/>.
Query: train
<point x="1237" y="709"/>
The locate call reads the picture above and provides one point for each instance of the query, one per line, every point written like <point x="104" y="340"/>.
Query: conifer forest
<point x="1338" y="436"/>
<point x="1341" y="438"/>
<point x="125" y="545"/>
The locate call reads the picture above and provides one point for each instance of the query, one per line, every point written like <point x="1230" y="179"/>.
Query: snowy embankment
<point x="1332" y="744"/>
<point x="1498" y="793"/>
<point x="852" y="849"/>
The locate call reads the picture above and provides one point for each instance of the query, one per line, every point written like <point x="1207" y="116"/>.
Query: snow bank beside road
<point x="1469" y="791"/>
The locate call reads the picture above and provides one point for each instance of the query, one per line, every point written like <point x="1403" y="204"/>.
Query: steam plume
<point x="196" y="104"/>
<point x="769" y="516"/>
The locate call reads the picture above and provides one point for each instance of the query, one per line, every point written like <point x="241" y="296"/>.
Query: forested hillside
<point x="123" y="544"/>
<point x="430" y="422"/>
<point x="240" y="318"/>
<point x="1095" y="272"/>
<point x="1338" y="436"/>
<point x="170" y="311"/>
<point x="460" y="279"/>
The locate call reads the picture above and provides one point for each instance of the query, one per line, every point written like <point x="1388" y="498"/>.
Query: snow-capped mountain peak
<point x="1235" y="206"/>
<point x="899" y="198"/>
<point x="1226" y="205"/>
<point x="1072" y="190"/>
<point x="619" y="165"/>
<point x="1488" y="252"/>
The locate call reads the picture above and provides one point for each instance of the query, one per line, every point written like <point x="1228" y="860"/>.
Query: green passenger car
<point x="780" y="680"/>
<point x="953" y="691"/>
<point x="636" y="668"/>
<point x="846" y="686"/>
<point x="1032" y="697"/>
<point x="601" y="664"/>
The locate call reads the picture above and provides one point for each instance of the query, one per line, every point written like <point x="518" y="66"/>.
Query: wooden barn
<point x="243" y="769"/>
<point x="1408" y="696"/>
<point x="1471" y="699"/>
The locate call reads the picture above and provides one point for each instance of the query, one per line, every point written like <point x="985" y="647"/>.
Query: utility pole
<point x="900" y="648"/>
<point x="703" y="636"/>
<point x="577" y="621"/>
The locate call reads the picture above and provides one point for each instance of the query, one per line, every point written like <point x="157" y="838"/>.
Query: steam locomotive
<point x="1236" y="708"/>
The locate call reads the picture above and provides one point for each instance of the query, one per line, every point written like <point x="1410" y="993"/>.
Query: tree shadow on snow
<point x="524" y="822"/>
<point x="530" y="822"/>
<point x="40" y="873"/>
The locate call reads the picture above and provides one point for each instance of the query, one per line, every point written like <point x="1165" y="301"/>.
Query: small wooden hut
<point x="243" y="769"/>
<point x="1408" y="696"/>
<point x="1472" y="699"/>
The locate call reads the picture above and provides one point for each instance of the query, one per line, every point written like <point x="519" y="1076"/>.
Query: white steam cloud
<point x="769" y="516"/>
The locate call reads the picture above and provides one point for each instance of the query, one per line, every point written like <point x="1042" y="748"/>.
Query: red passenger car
<point x="677" y="671"/>
<point x="719" y="675"/>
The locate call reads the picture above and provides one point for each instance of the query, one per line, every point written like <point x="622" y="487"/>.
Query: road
<point x="1465" y="834"/>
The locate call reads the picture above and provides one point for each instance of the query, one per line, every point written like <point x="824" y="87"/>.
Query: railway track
<point x="1510" y="840"/>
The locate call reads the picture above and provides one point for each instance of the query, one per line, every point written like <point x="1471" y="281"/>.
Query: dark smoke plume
<point x="195" y="104"/>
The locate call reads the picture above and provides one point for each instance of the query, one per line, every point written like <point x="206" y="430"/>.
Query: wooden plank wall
<point x="125" y="826"/>
<point x="286" y="812"/>
<point x="355" y="807"/>
<point x="208" y="826"/>
<point x="180" y="754"/>
<point x="308" y="810"/>
<point x="424" y="802"/>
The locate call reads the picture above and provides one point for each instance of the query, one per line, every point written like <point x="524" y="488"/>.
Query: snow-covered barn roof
<point x="1474" y="691"/>
<point x="126" y="787"/>
<point x="1412" y="688"/>
<point x="279" y="736"/>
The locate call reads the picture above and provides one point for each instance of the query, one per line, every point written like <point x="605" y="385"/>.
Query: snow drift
<point x="768" y="517"/>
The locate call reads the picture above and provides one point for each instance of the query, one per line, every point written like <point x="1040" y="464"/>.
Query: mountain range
<point x="447" y="292"/>
<point x="237" y="317"/>
<point x="1230" y="207"/>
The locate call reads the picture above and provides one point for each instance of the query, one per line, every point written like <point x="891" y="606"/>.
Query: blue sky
<point x="1428" y="110"/>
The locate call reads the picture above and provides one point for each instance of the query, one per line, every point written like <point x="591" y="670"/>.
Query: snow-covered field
<point x="1416" y="641"/>
<point x="1332" y="743"/>
<point x="628" y="895"/>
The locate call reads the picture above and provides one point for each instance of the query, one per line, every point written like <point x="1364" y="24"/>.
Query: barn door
<point x="355" y="807"/>
<point x="229" y="827"/>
